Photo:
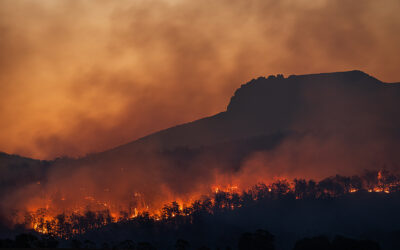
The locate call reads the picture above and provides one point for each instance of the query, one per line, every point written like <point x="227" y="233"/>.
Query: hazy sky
<point x="84" y="76"/>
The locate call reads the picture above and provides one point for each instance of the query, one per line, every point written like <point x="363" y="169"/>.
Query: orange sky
<point x="84" y="76"/>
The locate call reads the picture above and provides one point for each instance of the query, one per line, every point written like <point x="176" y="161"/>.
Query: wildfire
<point x="97" y="213"/>
<point x="135" y="213"/>
<point x="39" y="226"/>
<point x="228" y="188"/>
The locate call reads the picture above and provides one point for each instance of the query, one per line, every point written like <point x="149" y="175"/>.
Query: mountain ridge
<point x="239" y="104"/>
<point x="279" y="90"/>
<point x="306" y="126"/>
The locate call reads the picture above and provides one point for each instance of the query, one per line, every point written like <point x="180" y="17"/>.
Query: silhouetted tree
<point x="300" y="188"/>
<point x="260" y="191"/>
<point x="371" y="178"/>
<point x="356" y="182"/>
<point x="221" y="200"/>
<point x="280" y="188"/>
<point x="171" y="210"/>
<point x="329" y="187"/>
<point x="344" y="183"/>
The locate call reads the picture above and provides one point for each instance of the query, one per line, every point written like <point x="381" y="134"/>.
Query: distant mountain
<point x="335" y="102"/>
<point x="16" y="171"/>
<point x="333" y="119"/>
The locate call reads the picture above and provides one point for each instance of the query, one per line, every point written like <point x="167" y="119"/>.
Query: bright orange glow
<point x="44" y="216"/>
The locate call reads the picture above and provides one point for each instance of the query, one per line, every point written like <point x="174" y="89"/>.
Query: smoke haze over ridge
<point x="307" y="126"/>
<point x="80" y="76"/>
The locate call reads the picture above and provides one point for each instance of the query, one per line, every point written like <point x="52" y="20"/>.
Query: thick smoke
<point x="341" y="123"/>
<point x="79" y="77"/>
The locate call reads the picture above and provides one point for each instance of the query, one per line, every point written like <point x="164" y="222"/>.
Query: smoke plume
<point x="79" y="76"/>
